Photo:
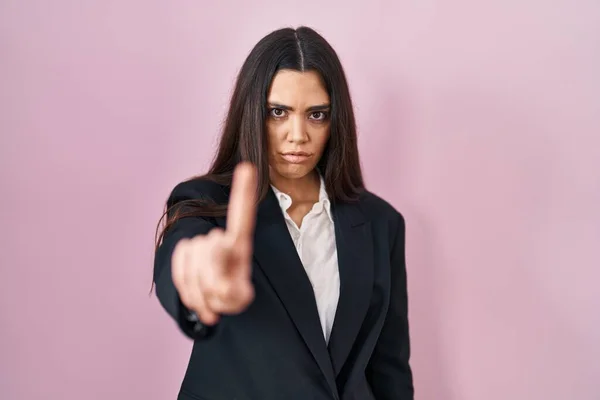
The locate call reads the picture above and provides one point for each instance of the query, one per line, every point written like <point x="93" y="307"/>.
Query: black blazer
<point x="275" y="350"/>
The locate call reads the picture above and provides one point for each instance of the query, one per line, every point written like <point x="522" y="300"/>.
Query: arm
<point x="165" y="289"/>
<point x="388" y="372"/>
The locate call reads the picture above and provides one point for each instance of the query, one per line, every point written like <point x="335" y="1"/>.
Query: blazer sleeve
<point x="389" y="372"/>
<point x="166" y="292"/>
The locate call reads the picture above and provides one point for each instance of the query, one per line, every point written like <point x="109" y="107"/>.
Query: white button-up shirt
<point x="316" y="246"/>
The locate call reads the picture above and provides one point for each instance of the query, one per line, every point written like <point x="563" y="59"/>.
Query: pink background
<point x="480" y="121"/>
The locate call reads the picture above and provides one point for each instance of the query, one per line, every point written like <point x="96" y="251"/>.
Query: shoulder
<point x="198" y="188"/>
<point x="380" y="211"/>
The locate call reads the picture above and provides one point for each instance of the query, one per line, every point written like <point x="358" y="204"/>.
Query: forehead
<point x="291" y="88"/>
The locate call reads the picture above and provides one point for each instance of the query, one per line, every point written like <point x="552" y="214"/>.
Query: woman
<point x="288" y="275"/>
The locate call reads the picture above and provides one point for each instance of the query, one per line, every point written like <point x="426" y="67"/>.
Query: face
<point x="297" y="123"/>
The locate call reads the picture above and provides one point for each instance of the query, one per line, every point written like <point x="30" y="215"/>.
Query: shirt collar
<point x="285" y="201"/>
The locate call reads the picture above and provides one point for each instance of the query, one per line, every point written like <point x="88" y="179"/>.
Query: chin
<point x="294" y="171"/>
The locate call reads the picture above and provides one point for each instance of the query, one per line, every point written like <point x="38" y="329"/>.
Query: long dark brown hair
<point x="244" y="133"/>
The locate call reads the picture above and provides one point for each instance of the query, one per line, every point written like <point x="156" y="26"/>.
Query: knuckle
<point x="247" y="295"/>
<point x="215" y="233"/>
<point x="186" y="299"/>
<point x="226" y="290"/>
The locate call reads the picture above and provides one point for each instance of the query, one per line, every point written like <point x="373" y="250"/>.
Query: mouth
<point x="296" y="157"/>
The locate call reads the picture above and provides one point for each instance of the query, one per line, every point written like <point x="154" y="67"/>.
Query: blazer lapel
<point x="276" y="255"/>
<point x="355" y="260"/>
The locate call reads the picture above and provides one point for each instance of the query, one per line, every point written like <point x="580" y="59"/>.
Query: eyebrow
<point x="320" y="107"/>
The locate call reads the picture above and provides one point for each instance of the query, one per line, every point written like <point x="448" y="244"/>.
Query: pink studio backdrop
<point x="480" y="121"/>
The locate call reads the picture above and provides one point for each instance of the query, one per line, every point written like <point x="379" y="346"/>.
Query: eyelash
<point x="324" y="114"/>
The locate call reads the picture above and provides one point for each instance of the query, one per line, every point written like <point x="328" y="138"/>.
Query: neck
<point x="305" y="189"/>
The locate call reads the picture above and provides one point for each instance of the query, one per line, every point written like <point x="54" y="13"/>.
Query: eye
<point x="277" y="113"/>
<point x="318" y="115"/>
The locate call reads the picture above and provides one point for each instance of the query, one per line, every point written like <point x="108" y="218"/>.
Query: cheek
<point x="272" y="138"/>
<point x="321" y="138"/>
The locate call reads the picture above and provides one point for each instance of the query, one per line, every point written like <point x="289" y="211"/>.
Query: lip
<point x="296" y="157"/>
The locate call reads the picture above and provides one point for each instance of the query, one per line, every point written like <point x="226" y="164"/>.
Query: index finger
<point x="241" y="212"/>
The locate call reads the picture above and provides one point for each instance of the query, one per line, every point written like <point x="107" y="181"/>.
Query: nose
<point x="297" y="130"/>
